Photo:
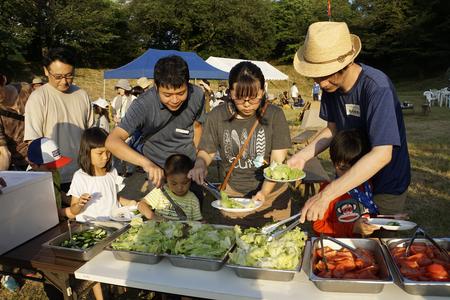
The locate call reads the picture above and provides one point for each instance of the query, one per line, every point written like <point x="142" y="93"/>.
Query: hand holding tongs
<point x="212" y="189"/>
<point x="420" y="231"/>
<point x="271" y="228"/>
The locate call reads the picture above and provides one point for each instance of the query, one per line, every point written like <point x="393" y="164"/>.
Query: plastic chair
<point x="430" y="97"/>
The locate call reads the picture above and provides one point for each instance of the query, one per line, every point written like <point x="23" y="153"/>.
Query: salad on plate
<point x="283" y="173"/>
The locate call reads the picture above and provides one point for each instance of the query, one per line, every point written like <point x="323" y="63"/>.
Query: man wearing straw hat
<point x="354" y="96"/>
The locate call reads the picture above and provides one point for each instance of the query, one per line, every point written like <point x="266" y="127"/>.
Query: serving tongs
<point x="212" y="189"/>
<point x="419" y="231"/>
<point x="276" y="234"/>
<point x="352" y="249"/>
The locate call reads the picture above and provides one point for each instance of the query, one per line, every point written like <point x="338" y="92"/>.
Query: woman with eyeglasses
<point x="228" y="128"/>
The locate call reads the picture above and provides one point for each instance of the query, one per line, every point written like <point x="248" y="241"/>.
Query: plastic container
<point x="28" y="207"/>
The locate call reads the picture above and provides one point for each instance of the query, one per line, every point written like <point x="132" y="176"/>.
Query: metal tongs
<point x="352" y="249"/>
<point x="420" y="231"/>
<point x="212" y="189"/>
<point x="271" y="228"/>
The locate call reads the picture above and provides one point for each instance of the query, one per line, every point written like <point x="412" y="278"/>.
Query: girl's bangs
<point x="247" y="87"/>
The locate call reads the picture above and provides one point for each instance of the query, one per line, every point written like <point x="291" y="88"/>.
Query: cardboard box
<point x="27" y="207"/>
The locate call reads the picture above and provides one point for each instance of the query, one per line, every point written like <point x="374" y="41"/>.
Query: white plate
<point x="283" y="180"/>
<point x="382" y="223"/>
<point x="124" y="214"/>
<point x="244" y="201"/>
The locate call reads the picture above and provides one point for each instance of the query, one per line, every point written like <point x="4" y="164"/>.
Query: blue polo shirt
<point x="168" y="132"/>
<point x="372" y="106"/>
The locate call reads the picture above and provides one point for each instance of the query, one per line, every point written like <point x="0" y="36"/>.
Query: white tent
<point x="269" y="71"/>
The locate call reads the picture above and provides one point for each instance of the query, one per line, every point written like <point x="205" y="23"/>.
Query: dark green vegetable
<point x="85" y="239"/>
<point x="393" y="224"/>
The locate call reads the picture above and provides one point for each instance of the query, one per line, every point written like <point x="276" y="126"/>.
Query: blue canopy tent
<point x="144" y="65"/>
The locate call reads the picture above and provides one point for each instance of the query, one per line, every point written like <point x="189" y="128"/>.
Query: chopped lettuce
<point x="254" y="250"/>
<point x="171" y="237"/>
<point x="228" y="202"/>
<point x="278" y="171"/>
<point x="150" y="237"/>
<point x="205" y="241"/>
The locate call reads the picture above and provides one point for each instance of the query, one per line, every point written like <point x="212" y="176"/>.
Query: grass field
<point x="428" y="138"/>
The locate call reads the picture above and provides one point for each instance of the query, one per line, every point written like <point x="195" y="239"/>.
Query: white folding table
<point x="222" y="284"/>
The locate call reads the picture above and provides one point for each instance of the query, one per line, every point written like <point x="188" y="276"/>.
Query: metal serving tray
<point x="183" y="261"/>
<point x="82" y="254"/>
<point x="352" y="285"/>
<point x="424" y="288"/>
<point x="268" y="274"/>
<point x="136" y="256"/>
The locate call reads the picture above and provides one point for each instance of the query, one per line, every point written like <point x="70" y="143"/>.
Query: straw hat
<point x="123" y="84"/>
<point x="328" y="48"/>
<point x="144" y="82"/>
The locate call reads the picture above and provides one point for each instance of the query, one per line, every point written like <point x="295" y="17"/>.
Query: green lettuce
<point x="171" y="237"/>
<point x="253" y="249"/>
<point x="278" y="171"/>
<point x="228" y="202"/>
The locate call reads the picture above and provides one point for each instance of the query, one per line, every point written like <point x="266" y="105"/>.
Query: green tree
<point x="404" y="32"/>
<point x="231" y="28"/>
<point x="16" y="31"/>
<point x="96" y="29"/>
<point x="293" y="17"/>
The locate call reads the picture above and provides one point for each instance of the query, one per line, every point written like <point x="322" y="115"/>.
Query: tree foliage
<point x="210" y="27"/>
<point x="108" y="33"/>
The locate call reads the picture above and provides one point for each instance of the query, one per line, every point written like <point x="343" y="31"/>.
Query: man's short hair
<point x="64" y="55"/>
<point x="171" y="72"/>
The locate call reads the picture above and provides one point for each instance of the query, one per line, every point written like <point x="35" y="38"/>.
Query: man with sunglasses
<point x="354" y="96"/>
<point x="59" y="110"/>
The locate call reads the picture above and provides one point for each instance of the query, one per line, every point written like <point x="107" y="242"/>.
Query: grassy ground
<point x="429" y="145"/>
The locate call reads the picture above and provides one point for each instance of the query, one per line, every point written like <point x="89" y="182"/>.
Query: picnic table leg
<point x="62" y="282"/>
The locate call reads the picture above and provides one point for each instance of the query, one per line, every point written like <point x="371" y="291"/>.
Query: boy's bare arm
<point x="146" y="210"/>
<point x="127" y="202"/>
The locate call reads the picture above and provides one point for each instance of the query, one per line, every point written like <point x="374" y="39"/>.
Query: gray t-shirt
<point x="61" y="117"/>
<point x="227" y="137"/>
<point x="168" y="132"/>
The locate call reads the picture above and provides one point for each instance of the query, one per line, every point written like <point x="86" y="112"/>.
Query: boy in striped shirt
<point x="156" y="203"/>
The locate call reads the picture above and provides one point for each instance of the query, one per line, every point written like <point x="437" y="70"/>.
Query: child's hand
<point x="259" y="196"/>
<point x="84" y="199"/>
<point x="362" y="227"/>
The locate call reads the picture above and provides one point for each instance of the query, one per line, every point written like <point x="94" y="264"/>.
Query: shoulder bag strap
<point x="180" y="213"/>
<point x="241" y="151"/>
<point x="12" y="115"/>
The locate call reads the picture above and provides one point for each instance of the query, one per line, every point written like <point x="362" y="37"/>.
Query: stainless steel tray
<point x="82" y="254"/>
<point x="424" y="288"/>
<point x="135" y="256"/>
<point x="268" y="274"/>
<point x="352" y="285"/>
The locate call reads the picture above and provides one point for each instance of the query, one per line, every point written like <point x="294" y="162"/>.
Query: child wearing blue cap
<point x="44" y="156"/>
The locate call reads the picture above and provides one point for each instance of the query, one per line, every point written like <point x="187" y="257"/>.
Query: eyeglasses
<point x="254" y="100"/>
<point x="60" y="77"/>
